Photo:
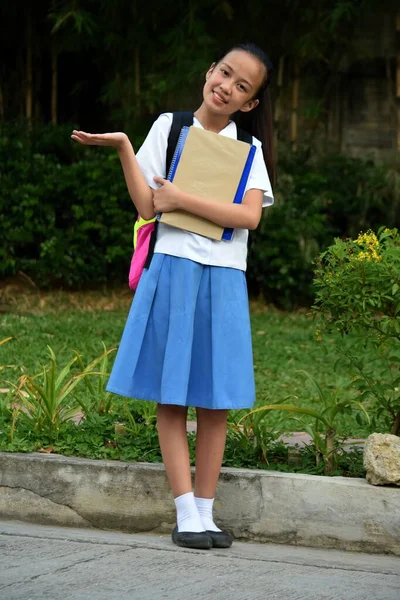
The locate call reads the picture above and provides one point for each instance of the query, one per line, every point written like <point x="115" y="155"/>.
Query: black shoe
<point x="220" y="539"/>
<point x="189" y="539"/>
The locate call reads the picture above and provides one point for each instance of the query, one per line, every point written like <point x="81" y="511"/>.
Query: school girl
<point x="187" y="340"/>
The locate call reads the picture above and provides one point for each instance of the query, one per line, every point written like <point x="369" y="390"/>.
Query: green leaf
<point x="316" y="385"/>
<point x="292" y="408"/>
<point x="361" y="407"/>
<point x="64" y="372"/>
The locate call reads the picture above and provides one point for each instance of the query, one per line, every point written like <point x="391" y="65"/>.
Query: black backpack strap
<point x="152" y="243"/>
<point x="179" y="120"/>
<point x="243" y="136"/>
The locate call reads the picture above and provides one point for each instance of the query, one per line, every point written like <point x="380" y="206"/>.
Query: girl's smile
<point x="218" y="98"/>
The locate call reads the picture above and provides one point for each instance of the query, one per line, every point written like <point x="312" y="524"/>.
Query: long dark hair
<point x="258" y="122"/>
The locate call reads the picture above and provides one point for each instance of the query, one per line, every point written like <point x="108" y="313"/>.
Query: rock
<point x="382" y="459"/>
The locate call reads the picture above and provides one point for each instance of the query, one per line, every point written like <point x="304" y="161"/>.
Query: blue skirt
<point x="187" y="339"/>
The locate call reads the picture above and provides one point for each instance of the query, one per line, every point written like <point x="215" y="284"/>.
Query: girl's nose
<point x="225" y="88"/>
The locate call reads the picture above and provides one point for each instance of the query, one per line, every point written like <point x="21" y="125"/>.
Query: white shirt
<point x="184" y="244"/>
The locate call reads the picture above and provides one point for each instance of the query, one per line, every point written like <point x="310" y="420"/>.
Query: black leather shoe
<point x="189" y="539"/>
<point x="220" y="539"/>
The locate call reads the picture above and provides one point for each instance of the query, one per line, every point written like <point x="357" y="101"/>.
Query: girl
<point x="187" y="340"/>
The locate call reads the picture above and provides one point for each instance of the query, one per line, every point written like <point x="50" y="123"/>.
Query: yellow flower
<point x="363" y="256"/>
<point x="368" y="239"/>
<point x="370" y="244"/>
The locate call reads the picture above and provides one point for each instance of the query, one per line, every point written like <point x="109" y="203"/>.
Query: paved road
<point x="52" y="563"/>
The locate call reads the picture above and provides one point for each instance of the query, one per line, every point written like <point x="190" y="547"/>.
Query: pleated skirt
<point x="187" y="339"/>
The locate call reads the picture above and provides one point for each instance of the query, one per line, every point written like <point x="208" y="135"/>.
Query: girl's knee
<point x="210" y="415"/>
<point x="171" y="411"/>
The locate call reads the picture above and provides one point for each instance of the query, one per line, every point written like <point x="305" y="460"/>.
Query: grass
<point x="284" y="343"/>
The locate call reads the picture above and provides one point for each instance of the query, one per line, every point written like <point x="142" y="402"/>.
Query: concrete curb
<point x="308" y="510"/>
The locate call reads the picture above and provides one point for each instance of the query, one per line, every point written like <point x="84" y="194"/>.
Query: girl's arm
<point x="139" y="191"/>
<point x="246" y="215"/>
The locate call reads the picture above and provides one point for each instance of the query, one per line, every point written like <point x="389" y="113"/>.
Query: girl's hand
<point x="167" y="198"/>
<point x="115" y="140"/>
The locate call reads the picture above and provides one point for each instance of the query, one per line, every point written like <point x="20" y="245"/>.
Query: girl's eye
<point x="242" y="87"/>
<point x="224" y="72"/>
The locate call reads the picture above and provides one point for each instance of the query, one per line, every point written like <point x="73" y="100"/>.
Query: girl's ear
<point x="210" y="70"/>
<point x="250" y="105"/>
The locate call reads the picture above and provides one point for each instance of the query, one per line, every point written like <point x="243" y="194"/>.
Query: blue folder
<point x="228" y="232"/>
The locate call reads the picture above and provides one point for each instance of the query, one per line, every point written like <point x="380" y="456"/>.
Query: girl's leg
<point x="210" y="446"/>
<point x="171" y="423"/>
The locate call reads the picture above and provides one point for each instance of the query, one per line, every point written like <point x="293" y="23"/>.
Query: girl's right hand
<point x="115" y="140"/>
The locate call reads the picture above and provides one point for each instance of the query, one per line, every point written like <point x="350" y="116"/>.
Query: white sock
<point x="205" y="508"/>
<point x="187" y="515"/>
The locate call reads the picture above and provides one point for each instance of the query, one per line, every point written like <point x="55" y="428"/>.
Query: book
<point x="210" y="166"/>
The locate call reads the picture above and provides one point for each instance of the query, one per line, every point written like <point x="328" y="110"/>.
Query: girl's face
<point x="232" y="83"/>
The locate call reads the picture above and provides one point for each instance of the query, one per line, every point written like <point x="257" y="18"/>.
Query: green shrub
<point x="358" y="290"/>
<point x="317" y="199"/>
<point x="66" y="216"/>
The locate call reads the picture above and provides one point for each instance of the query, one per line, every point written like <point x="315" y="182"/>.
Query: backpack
<point x="145" y="232"/>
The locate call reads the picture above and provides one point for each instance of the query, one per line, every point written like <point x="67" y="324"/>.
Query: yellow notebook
<point x="212" y="167"/>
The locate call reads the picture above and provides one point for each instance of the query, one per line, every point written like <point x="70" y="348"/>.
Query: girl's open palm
<point x="115" y="140"/>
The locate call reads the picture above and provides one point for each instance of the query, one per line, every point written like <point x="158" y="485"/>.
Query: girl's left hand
<point x="115" y="140"/>
<point x="167" y="197"/>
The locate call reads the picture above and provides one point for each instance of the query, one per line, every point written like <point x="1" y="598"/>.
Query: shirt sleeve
<point x="259" y="178"/>
<point x="152" y="154"/>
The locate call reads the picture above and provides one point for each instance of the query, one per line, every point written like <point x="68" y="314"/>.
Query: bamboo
<point x="341" y="113"/>
<point x="333" y="98"/>
<point x="330" y="121"/>
<point x="295" y="106"/>
<point x="391" y="97"/>
<point x="1" y="102"/>
<point x="137" y="81"/>
<point x="19" y="99"/>
<point x="398" y="102"/>
<point x="54" y="75"/>
<point x="37" y="109"/>
<point x="29" y="74"/>
<point x="398" y="79"/>
<point x="54" y="83"/>
<point x="278" y="99"/>
<point x="332" y="93"/>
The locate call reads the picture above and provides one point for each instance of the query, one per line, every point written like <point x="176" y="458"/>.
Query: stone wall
<point x="358" y="113"/>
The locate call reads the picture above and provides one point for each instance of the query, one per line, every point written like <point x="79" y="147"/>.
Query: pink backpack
<point x="142" y="233"/>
